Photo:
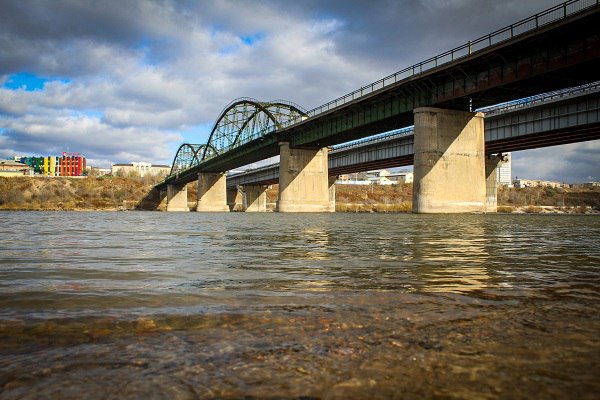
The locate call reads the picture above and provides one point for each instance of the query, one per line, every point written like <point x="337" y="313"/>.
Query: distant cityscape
<point x="69" y="164"/>
<point x="75" y="165"/>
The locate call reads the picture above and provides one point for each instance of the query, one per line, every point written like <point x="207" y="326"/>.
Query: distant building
<point x="504" y="171"/>
<point x="523" y="183"/>
<point x="13" y="168"/>
<point x="352" y="179"/>
<point x="96" y="171"/>
<point x="72" y="164"/>
<point x="401" y="177"/>
<point x="378" y="177"/>
<point x="69" y="164"/>
<point x="140" y="169"/>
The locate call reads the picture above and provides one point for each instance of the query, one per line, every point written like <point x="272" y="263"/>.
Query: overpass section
<point x="552" y="119"/>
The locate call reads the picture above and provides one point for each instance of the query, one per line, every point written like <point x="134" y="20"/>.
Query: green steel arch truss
<point x="242" y="121"/>
<point x="188" y="156"/>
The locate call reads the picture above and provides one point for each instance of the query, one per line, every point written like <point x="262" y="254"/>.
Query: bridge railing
<point x="541" y="98"/>
<point x="530" y="24"/>
<point x="374" y="139"/>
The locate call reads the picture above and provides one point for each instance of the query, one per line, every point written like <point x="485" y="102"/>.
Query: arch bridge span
<point x="241" y="121"/>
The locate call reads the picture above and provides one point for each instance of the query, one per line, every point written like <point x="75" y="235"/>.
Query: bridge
<point x="561" y="117"/>
<point x="554" y="49"/>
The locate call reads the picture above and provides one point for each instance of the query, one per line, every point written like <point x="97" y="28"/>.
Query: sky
<point x="123" y="81"/>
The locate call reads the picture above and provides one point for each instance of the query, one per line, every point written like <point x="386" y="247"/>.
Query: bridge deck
<point x="561" y="120"/>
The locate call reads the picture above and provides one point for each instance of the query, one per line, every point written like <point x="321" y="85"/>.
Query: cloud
<point x="572" y="163"/>
<point x="86" y="135"/>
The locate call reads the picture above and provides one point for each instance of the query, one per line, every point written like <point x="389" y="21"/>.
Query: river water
<point x="149" y="305"/>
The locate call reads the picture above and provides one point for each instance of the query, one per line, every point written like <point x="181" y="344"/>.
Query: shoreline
<point x="348" y="208"/>
<point x="129" y="193"/>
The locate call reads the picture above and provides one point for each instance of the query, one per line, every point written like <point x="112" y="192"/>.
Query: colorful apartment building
<point x="51" y="166"/>
<point x="69" y="164"/>
<point x="72" y="164"/>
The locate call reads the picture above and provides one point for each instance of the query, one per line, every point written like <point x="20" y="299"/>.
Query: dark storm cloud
<point x="33" y="33"/>
<point x="400" y="33"/>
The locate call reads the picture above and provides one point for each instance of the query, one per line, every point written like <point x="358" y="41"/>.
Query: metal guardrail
<point x="551" y="15"/>
<point x="541" y="98"/>
<point x="374" y="139"/>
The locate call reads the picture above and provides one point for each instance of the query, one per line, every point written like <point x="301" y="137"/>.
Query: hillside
<point x="116" y="193"/>
<point x="57" y="193"/>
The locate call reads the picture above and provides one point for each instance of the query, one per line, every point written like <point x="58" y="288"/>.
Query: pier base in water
<point x="212" y="192"/>
<point x="177" y="198"/>
<point x="303" y="180"/>
<point x="449" y="164"/>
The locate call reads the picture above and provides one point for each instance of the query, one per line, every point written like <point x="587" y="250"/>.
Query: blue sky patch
<point x="249" y="40"/>
<point x="27" y="81"/>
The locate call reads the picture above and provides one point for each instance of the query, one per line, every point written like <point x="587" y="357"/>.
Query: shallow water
<point x="193" y="305"/>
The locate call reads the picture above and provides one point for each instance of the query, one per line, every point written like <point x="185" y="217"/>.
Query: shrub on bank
<point x="505" y="209"/>
<point x="353" y="207"/>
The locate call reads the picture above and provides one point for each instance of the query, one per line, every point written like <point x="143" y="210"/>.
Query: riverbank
<point x="68" y="194"/>
<point x="119" y="194"/>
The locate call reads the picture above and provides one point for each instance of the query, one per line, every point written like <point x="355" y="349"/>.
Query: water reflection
<point x="316" y="243"/>
<point x="464" y="268"/>
<point x="299" y="306"/>
<point x="453" y="260"/>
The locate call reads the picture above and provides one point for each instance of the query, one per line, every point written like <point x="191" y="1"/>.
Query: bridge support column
<point x="177" y="198"/>
<point x="303" y="180"/>
<point x="232" y="198"/>
<point x="212" y="192"/>
<point x="254" y="198"/>
<point x="332" y="180"/>
<point x="449" y="166"/>
<point x="162" y="205"/>
<point x="492" y="162"/>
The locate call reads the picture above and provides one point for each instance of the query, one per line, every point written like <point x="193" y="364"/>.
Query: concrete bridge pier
<point x="332" y="180"/>
<point x="212" y="192"/>
<point x="232" y="198"/>
<point x="254" y="198"/>
<point x="162" y="199"/>
<point x="492" y="162"/>
<point x="449" y="161"/>
<point x="303" y="180"/>
<point x="177" y="198"/>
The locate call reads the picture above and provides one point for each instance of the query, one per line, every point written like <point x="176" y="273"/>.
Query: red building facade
<point x="72" y="164"/>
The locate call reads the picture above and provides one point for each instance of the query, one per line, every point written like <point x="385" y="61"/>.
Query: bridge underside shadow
<point x="153" y="201"/>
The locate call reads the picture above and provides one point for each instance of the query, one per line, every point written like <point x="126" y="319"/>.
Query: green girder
<point x="242" y="121"/>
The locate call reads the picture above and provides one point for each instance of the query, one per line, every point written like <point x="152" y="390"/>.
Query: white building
<point x="504" y="171"/>
<point x="378" y="177"/>
<point x="523" y="183"/>
<point x="402" y="177"/>
<point x="139" y="168"/>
